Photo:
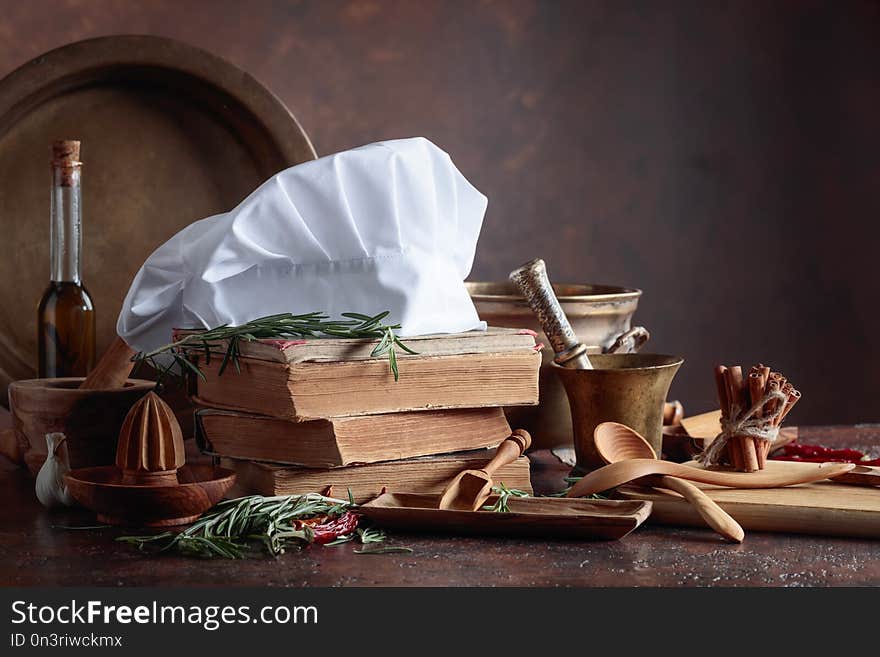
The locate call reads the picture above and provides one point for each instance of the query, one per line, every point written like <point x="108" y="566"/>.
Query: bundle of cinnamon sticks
<point x="738" y="394"/>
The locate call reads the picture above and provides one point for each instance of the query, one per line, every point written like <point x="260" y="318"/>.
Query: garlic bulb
<point x="50" y="487"/>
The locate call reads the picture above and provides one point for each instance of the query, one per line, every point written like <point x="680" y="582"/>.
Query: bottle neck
<point x="66" y="226"/>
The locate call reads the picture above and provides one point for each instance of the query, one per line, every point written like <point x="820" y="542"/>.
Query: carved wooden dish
<point x="528" y="516"/>
<point x="100" y="489"/>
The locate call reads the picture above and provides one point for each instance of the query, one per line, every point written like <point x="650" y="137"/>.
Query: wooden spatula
<point x="471" y="488"/>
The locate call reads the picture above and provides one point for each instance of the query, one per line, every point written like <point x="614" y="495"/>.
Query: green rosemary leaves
<point x="230" y="528"/>
<point x="286" y="325"/>
<point x="504" y="494"/>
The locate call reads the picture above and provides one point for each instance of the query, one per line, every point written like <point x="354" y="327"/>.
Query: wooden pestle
<point x="531" y="279"/>
<point x="112" y="371"/>
<point x="114" y="368"/>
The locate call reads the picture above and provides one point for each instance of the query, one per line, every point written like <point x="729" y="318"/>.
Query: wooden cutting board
<point x="822" y="508"/>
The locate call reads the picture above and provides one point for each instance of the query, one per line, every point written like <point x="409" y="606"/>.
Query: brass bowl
<point x="597" y="313"/>
<point x="625" y="388"/>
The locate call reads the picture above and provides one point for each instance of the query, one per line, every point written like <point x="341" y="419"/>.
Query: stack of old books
<point x="323" y="415"/>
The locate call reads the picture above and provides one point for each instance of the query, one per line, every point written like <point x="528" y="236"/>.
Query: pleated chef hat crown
<point x="387" y="226"/>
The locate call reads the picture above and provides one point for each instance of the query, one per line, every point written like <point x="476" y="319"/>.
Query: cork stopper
<point x="65" y="158"/>
<point x="150" y="447"/>
<point x="65" y="152"/>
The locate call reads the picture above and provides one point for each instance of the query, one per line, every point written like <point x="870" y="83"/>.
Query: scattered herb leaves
<point x="385" y="549"/>
<point x="77" y="527"/>
<point x="571" y="481"/>
<point x="504" y="494"/>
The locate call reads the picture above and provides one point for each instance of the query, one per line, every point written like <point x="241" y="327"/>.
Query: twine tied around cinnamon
<point x="747" y="422"/>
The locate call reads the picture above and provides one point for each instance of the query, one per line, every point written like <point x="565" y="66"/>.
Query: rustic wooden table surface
<point x="34" y="551"/>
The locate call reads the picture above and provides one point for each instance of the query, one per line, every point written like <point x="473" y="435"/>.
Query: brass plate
<point x="170" y="133"/>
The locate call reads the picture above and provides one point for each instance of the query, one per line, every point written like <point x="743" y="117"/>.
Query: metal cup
<point x="625" y="388"/>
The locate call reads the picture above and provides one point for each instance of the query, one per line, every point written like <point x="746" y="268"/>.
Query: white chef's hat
<point x="388" y="226"/>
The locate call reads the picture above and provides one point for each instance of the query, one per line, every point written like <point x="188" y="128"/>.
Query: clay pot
<point x="597" y="313"/>
<point x="90" y="419"/>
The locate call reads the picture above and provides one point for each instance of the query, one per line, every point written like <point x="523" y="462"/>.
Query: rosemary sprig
<point x="229" y="529"/>
<point x="286" y="325"/>
<point x="365" y="535"/>
<point x="504" y="494"/>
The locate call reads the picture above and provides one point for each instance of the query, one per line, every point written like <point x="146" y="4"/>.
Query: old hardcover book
<point x="315" y="379"/>
<point x="428" y="474"/>
<point x="343" y="441"/>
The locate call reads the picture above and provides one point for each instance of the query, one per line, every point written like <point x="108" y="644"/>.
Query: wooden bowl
<point x="90" y="419"/>
<point x="100" y="489"/>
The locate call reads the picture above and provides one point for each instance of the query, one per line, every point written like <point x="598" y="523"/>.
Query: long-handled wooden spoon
<point x="617" y="442"/>
<point x="617" y="474"/>
<point x="469" y="489"/>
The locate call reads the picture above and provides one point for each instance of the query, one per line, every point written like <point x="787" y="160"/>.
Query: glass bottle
<point x="66" y="315"/>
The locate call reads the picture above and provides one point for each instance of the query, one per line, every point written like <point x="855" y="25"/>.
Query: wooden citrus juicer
<point x="617" y="442"/>
<point x="150" y="449"/>
<point x="469" y="489"/>
<point x="150" y="484"/>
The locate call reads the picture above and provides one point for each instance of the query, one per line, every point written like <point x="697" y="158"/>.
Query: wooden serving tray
<point x="529" y="516"/>
<point x="170" y="134"/>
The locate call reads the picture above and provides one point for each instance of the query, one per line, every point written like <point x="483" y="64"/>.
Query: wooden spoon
<point x="469" y="489"/>
<point x="617" y="474"/>
<point x="617" y="442"/>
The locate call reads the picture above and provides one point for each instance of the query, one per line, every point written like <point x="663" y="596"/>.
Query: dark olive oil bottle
<point x="66" y="316"/>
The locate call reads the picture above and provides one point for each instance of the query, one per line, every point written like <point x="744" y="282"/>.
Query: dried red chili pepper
<point x="819" y="454"/>
<point x="330" y="530"/>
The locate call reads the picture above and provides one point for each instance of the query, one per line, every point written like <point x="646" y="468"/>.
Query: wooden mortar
<point x="90" y="419"/>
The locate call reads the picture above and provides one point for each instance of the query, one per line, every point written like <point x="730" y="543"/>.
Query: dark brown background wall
<point x="722" y="156"/>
